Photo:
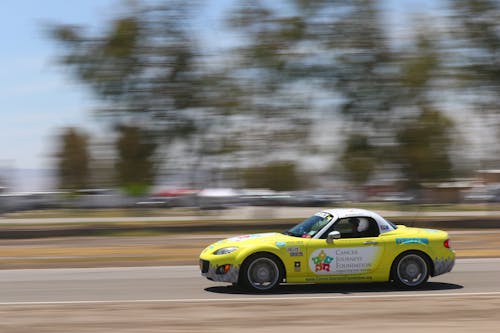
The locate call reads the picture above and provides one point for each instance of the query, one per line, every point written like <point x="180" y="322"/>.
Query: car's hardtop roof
<point x="340" y="213"/>
<point x="349" y="212"/>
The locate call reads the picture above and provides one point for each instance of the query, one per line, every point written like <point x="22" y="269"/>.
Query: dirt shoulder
<point x="433" y="314"/>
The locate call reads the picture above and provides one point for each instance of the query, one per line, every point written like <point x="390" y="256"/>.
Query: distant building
<point x="447" y="192"/>
<point x="491" y="176"/>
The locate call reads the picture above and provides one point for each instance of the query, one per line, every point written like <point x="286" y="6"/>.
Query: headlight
<point x="225" y="250"/>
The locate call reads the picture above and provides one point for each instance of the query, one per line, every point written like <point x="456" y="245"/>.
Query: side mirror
<point x="331" y="236"/>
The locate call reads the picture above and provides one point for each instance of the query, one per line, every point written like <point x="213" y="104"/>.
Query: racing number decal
<point x="343" y="260"/>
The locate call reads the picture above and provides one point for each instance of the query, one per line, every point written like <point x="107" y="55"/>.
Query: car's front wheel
<point x="410" y="270"/>
<point x="261" y="272"/>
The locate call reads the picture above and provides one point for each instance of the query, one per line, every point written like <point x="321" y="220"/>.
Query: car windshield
<point x="311" y="226"/>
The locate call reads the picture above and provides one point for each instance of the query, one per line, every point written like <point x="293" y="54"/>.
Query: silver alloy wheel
<point x="263" y="273"/>
<point x="412" y="270"/>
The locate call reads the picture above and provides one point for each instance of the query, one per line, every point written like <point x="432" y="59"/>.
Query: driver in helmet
<point x="359" y="228"/>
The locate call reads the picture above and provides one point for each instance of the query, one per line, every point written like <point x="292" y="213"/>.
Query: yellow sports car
<point x="336" y="245"/>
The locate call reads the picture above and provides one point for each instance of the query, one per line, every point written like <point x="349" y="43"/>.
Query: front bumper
<point x="214" y="273"/>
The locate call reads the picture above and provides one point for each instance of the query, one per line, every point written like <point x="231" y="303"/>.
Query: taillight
<point x="447" y="243"/>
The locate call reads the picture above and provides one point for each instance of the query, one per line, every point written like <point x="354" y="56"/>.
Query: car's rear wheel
<point x="262" y="272"/>
<point x="411" y="270"/>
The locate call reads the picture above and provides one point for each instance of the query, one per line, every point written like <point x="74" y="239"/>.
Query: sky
<point x="38" y="97"/>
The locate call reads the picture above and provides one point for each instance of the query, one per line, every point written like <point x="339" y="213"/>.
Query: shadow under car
<point x="341" y="289"/>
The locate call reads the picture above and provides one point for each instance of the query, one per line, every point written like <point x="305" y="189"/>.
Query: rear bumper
<point x="444" y="265"/>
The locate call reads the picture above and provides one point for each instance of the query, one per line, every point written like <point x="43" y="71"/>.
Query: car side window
<point x="354" y="227"/>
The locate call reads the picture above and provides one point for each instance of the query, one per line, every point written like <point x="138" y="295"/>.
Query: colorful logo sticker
<point x="322" y="262"/>
<point x="403" y="241"/>
<point x="280" y="244"/>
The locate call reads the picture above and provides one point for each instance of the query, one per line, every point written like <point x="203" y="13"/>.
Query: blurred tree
<point x="278" y="176"/>
<point x="385" y="90"/>
<point x="102" y="164"/>
<point x="274" y="103"/>
<point x="73" y="160"/>
<point x="358" y="158"/>
<point x="258" y="102"/>
<point x="365" y="67"/>
<point x="147" y="68"/>
<point x="141" y="65"/>
<point x="478" y="26"/>
<point x="420" y="65"/>
<point x="424" y="136"/>
<point x="340" y="48"/>
<point x="477" y="64"/>
<point x="423" y="149"/>
<point x="336" y="48"/>
<point x="362" y="69"/>
<point x="135" y="164"/>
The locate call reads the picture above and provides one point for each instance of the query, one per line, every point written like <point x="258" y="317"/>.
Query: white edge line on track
<point x="256" y="299"/>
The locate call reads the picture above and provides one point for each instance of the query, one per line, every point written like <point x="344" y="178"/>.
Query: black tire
<point x="410" y="270"/>
<point x="261" y="272"/>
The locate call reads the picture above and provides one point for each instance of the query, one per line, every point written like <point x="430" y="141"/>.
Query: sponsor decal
<point x="294" y="251"/>
<point x="280" y="244"/>
<point x="322" y="214"/>
<point x="343" y="260"/>
<point x="295" y="243"/>
<point x="404" y="241"/>
<point x="339" y="278"/>
<point x="434" y="231"/>
<point x="296" y="266"/>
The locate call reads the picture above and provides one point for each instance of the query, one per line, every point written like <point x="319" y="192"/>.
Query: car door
<point x="354" y="256"/>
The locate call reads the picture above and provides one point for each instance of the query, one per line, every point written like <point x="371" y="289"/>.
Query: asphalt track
<point x="184" y="284"/>
<point x="178" y="299"/>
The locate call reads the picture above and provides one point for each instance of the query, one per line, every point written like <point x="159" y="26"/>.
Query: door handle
<point x="371" y="243"/>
